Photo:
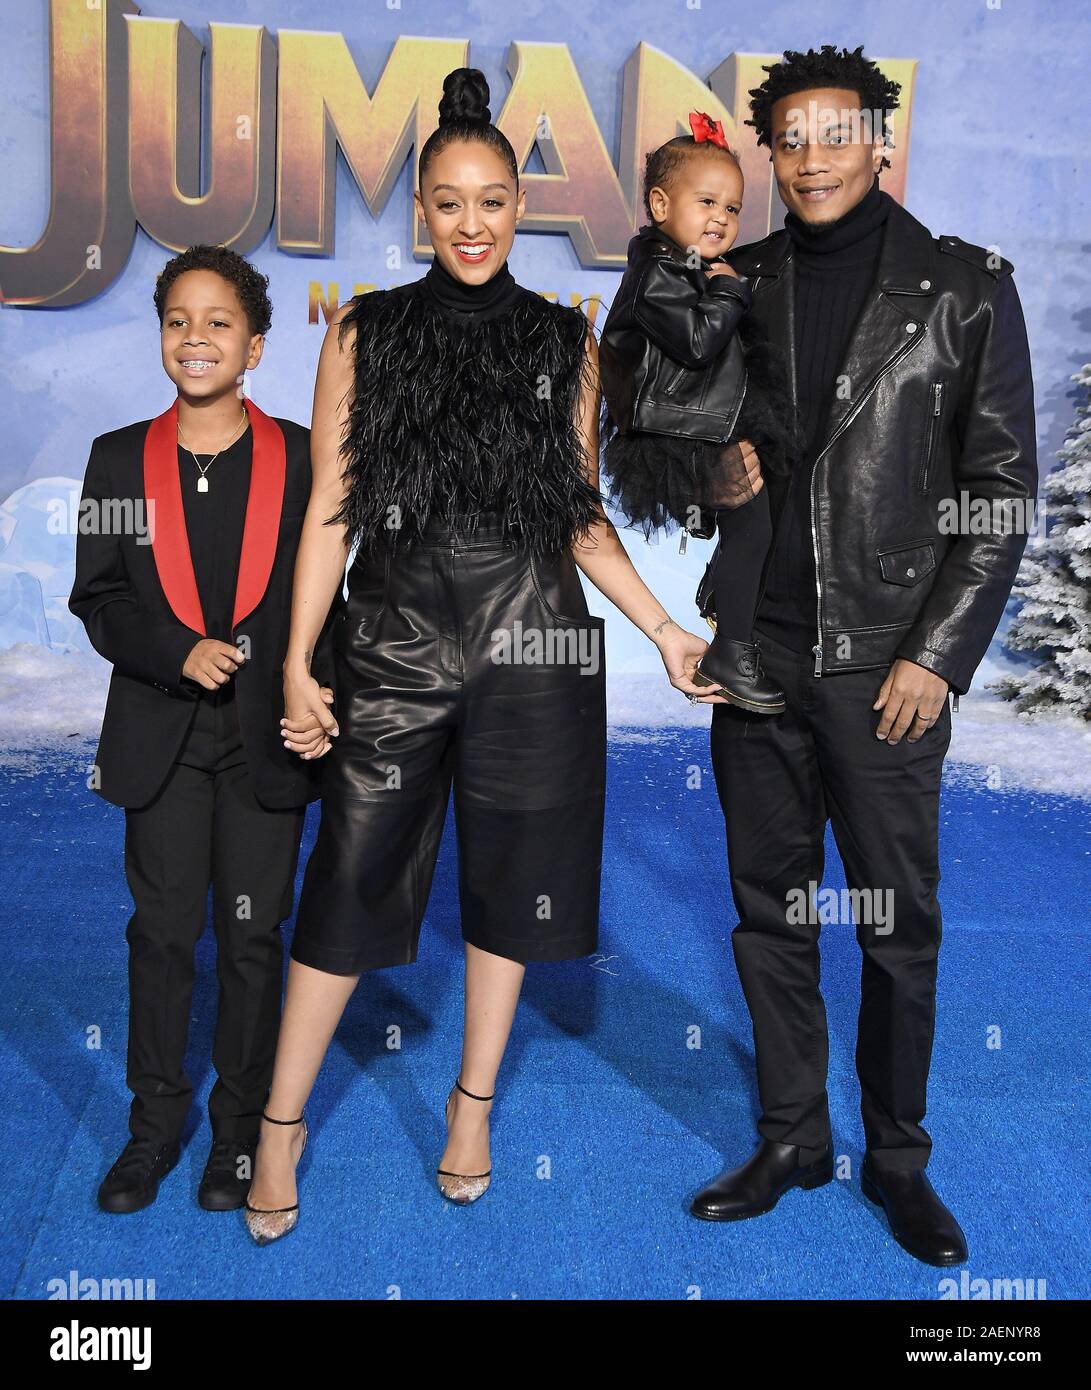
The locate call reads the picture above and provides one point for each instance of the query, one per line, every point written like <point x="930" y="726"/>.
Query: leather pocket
<point x="369" y="590"/>
<point x="907" y="564"/>
<point x="557" y="584"/>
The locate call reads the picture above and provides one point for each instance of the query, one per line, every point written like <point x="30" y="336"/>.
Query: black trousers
<point x="205" y="827"/>
<point x="746" y="533"/>
<point x="779" y="780"/>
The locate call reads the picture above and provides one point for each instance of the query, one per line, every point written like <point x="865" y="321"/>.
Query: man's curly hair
<point x="799" y="72"/>
<point x="250" y="285"/>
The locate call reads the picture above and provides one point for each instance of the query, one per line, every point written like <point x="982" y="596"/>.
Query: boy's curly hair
<point x="829" y="67"/>
<point x="250" y="285"/>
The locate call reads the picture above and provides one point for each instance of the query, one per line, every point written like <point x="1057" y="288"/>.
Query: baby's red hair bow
<point x="705" y="128"/>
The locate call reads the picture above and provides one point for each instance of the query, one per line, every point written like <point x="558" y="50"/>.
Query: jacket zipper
<point x="738" y="408"/>
<point x="817" y="648"/>
<point x="930" y="438"/>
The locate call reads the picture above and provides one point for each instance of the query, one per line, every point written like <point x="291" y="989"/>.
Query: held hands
<point x="308" y="727"/>
<point x="212" y="663"/>
<point x="681" y="651"/>
<point x="741" y="479"/>
<point x="722" y="268"/>
<point x="911" y="698"/>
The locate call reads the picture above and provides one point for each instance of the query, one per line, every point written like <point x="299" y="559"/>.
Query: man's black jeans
<point x="780" y="778"/>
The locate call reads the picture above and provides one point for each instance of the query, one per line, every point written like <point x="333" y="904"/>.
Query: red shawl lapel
<point x="261" y="528"/>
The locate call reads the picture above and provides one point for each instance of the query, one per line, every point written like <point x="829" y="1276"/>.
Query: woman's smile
<point x="473" y="251"/>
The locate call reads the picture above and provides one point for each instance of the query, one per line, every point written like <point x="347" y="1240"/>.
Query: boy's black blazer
<point x="120" y="596"/>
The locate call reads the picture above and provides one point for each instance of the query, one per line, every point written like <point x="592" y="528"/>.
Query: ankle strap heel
<point x="301" y="1121"/>
<point x="459" y="1086"/>
<point x="256" y="1217"/>
<point x="467" y="1187"/>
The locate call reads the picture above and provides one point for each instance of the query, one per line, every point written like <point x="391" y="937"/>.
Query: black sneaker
<point x="227" y="1176"/>
<point x="133" y="1181"/>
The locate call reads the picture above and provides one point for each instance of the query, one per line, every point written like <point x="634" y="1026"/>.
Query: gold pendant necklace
<point x="202" y="481"/>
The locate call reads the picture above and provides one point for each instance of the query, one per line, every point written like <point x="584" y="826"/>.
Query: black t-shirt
<point x="214" y="523"/>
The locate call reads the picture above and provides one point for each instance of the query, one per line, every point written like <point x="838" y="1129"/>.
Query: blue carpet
<point x="607" y="1116"/>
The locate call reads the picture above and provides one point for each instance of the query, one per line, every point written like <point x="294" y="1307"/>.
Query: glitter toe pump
<point x="462" y="1188"/>
<point x="268" y="1225"/>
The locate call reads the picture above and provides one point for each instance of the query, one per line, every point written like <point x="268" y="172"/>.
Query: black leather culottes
<point x="460" y="660"/>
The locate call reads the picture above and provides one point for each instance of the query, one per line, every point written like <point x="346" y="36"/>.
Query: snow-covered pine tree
<point x="1054" y="582"/>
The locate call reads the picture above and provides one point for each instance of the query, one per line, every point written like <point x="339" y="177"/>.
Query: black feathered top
<point x="454" y="415"/>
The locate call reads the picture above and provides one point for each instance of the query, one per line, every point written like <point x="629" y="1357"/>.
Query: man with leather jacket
<point x="911" y="377"/>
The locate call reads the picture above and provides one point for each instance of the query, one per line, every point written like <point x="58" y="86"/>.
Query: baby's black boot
<point x="736" y="668"/>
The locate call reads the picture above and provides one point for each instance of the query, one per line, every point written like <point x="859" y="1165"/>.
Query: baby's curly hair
<point x="829" y="67"/>
<point x="250" y="285"/>
<point x="661" y="165"/>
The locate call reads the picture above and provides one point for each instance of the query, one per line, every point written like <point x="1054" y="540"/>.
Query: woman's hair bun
<point x="464" y="115"/>
<point x="465" y="97"/>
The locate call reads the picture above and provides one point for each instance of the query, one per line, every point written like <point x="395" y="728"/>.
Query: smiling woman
<point x="472" y="202"/>
<point x="470" y="493"/>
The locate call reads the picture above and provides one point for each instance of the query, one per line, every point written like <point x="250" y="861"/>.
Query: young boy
<point x="188" y="533"/>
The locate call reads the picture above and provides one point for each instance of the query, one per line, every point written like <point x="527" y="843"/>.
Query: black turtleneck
<point x="833" y="266"/>
<point x="458" y="299"/>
